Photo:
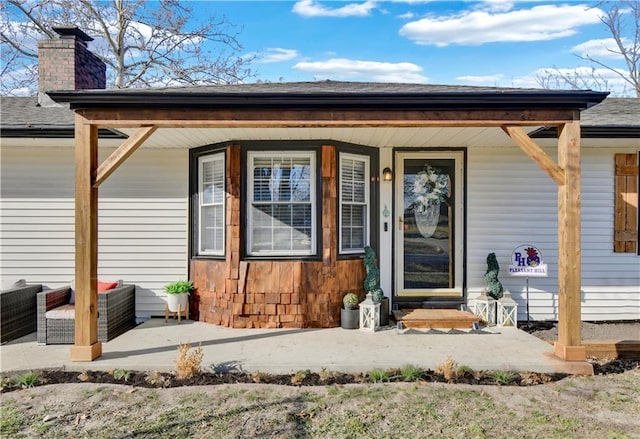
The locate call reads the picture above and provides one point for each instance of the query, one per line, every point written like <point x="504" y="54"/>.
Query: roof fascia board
<point x="592" y="132"/>
<point x="440" y="100"/>
<point x="55" y="133"/>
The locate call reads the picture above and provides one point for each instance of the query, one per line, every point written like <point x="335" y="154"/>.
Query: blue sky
<point x="497" y="43"/>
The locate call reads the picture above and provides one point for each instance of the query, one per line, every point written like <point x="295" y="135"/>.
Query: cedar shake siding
<point x="275" y="293"/>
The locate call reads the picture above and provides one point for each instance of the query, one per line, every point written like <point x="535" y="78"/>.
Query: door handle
<point x="400" y="223"/>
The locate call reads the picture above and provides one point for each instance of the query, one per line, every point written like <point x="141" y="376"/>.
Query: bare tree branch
<point x="622" y="20"/>
<point x="143" y="44"/>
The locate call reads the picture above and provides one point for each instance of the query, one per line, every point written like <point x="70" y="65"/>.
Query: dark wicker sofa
<point x="18" y="312"/>
<point x="116" y="315"/>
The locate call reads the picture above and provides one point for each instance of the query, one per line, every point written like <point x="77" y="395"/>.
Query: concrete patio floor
<point x="153" y="346"/>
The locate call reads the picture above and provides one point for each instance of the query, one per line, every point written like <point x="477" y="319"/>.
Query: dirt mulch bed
<point x="544" y="329"/>
<point x="167" y="380"/>
<point x="606" y="330"/>
<point x="301" y="378"/>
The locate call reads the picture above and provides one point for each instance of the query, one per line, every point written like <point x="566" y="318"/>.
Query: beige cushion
<point x="67" y="311"/>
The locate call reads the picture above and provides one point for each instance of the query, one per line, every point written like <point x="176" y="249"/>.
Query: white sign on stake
<point x="527" y="261"/>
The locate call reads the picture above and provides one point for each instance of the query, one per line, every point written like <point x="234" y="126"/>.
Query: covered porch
<point x="434" y="118"/>
<point x="153" y="346"/>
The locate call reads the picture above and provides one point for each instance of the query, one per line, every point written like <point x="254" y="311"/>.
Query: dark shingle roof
<point x="316" y="87"/>
<point x="23" y="117"/>
<point x="25" y="112"/>
<point x="613" y="112"/>
<point x="22" y="114"/>
<point x="612" y="118"/>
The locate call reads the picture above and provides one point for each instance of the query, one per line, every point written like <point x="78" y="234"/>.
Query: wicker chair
<point x="18" y="312"/>
<point x="116" y="315"/>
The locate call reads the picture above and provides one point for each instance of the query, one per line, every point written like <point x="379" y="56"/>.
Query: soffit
<point x="370" y="136"/>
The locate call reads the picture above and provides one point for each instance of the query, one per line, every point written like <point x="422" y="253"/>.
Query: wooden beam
<point x="281" y="118"/>
<point x="568" y="346"/>
<point x="86" y="347"/>
<point x="123" y="152"/>
<point x="535" y="152"/>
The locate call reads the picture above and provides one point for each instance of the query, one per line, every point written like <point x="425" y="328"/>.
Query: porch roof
<point x="328" y="94"/>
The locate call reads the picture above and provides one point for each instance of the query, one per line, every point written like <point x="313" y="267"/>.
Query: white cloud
<point x="497" y="5"/>
<point x="483" y="80"/>
<point x="604" y="48"/>
<point x="277" y="54"/>
<point x="407" y="16"/>
<point x="347" y="69"/>
<point x="608" y="75"/>
<point x="311" y="8"/>
<point x="22" y="91"/>
<point x="411" y="2"/>
<point x="544" y="22"/>
<point x="614" y="82"/>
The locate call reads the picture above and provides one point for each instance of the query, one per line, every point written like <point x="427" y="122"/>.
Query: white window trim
<point x="219" y="156"/>
<point x="367" y="197"/>
<point x="251" y="156"/>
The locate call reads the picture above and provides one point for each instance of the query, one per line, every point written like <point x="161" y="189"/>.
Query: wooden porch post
<point x="86" y="347"/>
<point x="568" y="346"/>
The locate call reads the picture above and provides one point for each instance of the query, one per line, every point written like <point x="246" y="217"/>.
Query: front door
<point x="429" y="224"/>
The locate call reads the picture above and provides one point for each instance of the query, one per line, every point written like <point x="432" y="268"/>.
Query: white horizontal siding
<point x="143" y="224"/>
<point x="143" y="220"/>
<point x="511" y="201"/>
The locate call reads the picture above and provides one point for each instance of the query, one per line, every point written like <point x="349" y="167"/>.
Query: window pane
<point x="211" y="200"/>
<point x="281" y="208"/>
<point x="212" y="180"/>
<point x="353" y="227"/>
<point x="207" y="193"/>
<point x="300" y="182"/>
<point x="354" y="200"/>
<point x="359" y="192"/>
<point x="212" y="229"/>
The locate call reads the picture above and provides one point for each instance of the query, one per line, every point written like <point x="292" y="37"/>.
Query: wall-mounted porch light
<point x="387" y="174"/>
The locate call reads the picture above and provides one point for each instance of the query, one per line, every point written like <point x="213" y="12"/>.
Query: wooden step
<point x="435" y="318"/>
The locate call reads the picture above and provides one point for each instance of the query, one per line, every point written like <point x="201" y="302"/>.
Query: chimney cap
<point x="71" y="32"/>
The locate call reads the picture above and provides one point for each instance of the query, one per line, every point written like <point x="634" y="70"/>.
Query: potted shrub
<point x="178" y="295"/>
<point x="350" y="314"/>
<point x="372" y="284"/>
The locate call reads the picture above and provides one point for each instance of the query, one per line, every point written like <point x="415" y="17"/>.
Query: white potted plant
<point x="178" y="295"/>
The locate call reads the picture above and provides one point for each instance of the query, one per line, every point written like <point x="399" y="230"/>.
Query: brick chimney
<point x="66" y="63"/>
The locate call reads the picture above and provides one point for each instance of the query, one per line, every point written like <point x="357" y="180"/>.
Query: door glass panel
<point x="428" y="224"/>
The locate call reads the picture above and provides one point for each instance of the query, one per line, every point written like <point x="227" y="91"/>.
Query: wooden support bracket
<point x="536" y="153"/>
<point x="121" y="154"/>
